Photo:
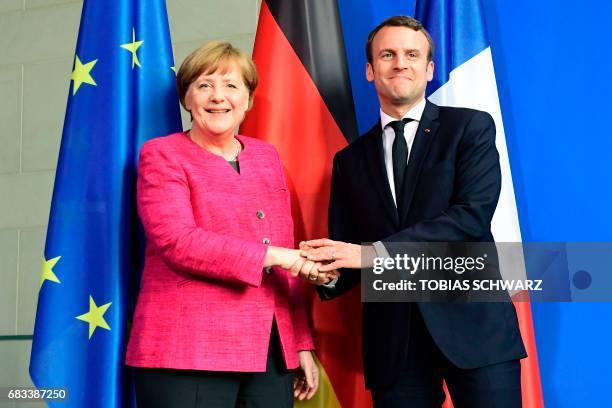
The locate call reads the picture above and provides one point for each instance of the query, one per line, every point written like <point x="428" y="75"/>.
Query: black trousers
<point x="420" y="381"/>
<point x="203" y="389"/>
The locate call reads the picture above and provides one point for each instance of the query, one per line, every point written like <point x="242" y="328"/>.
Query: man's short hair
<point x="399" y="21"/>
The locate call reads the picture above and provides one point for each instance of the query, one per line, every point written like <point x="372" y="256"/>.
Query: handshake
<point x="317" y="261"/>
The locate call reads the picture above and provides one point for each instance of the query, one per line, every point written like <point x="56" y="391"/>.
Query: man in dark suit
<point x="424" y="173"/>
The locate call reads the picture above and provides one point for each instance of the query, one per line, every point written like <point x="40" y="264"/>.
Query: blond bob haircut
<point x="211" y="57"/>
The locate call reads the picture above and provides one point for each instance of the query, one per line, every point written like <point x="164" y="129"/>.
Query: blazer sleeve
<point x="341" y="228"/>
<point x="164" y="206"/>
<point x="476" y="190"/>
<point x="301" y="327"/>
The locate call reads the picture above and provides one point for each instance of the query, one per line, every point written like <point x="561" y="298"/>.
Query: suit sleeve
<point x="476" y="191"/>
<point x="164" y="206"/>
<point x="341" y="228"/>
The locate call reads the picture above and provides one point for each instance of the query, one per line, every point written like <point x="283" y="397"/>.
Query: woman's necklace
<point x="236" y="151"/>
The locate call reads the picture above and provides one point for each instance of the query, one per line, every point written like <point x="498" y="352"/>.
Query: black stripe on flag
<point x="312" y="27"/>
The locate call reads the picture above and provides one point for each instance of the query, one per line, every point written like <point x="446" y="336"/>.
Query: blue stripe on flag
<point x="458" y="31"/>
<point x="358" y="18"/>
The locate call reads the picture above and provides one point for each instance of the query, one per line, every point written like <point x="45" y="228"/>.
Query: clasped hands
<point x="317" y="261"/>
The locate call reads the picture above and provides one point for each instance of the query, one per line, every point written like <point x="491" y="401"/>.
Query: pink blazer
<point x="205" y="302"/>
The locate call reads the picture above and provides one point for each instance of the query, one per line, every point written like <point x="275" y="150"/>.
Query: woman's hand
<point x="298" y="266"/>
<point x="283" y="257"/>
<point x="309" y="271"/>
<point x="306" y="377"/>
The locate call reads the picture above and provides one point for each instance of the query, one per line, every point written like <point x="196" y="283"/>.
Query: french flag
<point x="464" y="76"/>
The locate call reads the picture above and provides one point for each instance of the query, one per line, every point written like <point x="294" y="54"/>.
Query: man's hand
<point x="337" y="254"/>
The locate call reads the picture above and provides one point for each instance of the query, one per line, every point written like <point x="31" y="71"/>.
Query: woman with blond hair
<point x="219" y="320"/>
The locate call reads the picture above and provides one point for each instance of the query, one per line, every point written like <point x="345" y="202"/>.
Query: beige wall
<point x="37" y="42"/>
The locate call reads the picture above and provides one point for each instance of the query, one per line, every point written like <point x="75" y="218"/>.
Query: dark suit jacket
<point x="451" y="188"/>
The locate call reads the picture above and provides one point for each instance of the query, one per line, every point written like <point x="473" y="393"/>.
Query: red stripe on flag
<point x="530" y="372"/>
<point x="288" y="112"/>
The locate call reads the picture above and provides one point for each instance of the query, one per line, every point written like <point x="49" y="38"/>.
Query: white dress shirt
<point x="388" y="136"/>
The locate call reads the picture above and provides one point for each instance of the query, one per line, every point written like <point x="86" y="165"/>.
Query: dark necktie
<point x="400" y="158"/>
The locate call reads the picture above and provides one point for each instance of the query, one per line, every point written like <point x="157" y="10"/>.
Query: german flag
<point x="304" y="107"/>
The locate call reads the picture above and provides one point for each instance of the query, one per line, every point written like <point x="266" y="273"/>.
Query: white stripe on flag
<point x="473" y="85"/>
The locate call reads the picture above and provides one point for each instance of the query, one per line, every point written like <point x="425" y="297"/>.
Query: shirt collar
<point x="415" y="114"/>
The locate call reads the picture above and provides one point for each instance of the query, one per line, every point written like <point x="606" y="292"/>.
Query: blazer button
<point x="260" y="214"/>
<point x="266" y="241"/>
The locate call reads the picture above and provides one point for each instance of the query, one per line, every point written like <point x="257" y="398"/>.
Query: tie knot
<point x="398" y="125"/>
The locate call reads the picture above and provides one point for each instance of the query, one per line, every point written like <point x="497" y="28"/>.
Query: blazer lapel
<point x="375" y="158"/>
<point x="428" y="126"/>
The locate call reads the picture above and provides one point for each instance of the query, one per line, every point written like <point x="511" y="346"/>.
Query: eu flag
<point x="121" y="94"/>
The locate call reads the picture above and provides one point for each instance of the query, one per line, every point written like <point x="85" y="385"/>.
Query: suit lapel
<point x="428" y="127"/>
<point x="374" y="154"/>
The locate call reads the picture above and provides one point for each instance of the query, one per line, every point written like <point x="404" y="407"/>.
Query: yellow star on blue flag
<point x="47" y="271"/>
<point x="133" y="48"/>
<point x="82" y="74"/>
<point x="95" y="316"/>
